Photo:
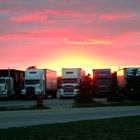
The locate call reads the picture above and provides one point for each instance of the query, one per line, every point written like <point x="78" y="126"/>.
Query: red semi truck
<point x="101" y="81"/>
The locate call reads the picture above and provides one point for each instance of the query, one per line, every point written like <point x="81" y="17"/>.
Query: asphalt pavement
<point x="10" y="119"/>
<point x="52" y="103"/>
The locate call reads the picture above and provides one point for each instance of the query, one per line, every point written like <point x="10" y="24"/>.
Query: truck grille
<point x="30" y="91"/>
<point x="68" y="89"/>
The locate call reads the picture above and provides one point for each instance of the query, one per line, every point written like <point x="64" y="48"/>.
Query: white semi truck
<point x="6" y="87"/>
<point x="71" y="79"/>
<point x="39" y="82"/>
<point x="10" y="83"/>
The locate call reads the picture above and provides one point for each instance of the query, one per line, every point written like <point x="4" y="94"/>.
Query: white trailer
<point x="6" y="87"/>
<point x="40" y="82"/>
<point x="71" y="79"/>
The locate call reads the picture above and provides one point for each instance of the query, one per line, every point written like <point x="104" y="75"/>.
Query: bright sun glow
<point x="86" y="64"/>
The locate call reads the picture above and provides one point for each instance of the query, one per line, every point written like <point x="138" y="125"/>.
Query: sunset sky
<point x="69" y="33"/>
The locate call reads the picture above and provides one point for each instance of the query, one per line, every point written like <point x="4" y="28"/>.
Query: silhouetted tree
<point x="85" y="91"/>
<point x="133" y="85"/>
<point x="114" y="94"/>
<point x="59" y="78"/>
<point x="32" y="67"/>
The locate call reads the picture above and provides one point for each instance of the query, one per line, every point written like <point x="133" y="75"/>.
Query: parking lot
<point x="52" y="103"/>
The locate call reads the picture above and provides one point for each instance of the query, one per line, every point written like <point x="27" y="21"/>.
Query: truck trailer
<point x="39" y="82"/>
<point x="128" y="79"/>
<point x="101" y="82"/>
<point x="71" y="79"/>
<point x="11" y="81"/>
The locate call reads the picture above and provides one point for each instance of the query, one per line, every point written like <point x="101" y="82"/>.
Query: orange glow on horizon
<point x="86" y="64"/>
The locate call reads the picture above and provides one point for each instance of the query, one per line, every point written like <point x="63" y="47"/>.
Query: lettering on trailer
<point x="33" y="72"/>
<point x="102" y="74"/>
<point x="69" y="72"/>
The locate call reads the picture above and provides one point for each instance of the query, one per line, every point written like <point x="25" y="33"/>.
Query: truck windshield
<point x="31" y="82"/>
<point x="2" y="81"/>
<point x="72" y="80"/>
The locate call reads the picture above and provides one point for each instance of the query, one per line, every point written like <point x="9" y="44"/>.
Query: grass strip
<point x="109" y="104"/>
<point x="106" y="129"/>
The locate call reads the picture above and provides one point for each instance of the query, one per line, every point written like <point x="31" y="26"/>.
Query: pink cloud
<point x="131" y="34"/>
<point x="117" y="16"/>
<point x="49" y="11"/>
<point x="64" y="13"/>
<point x="129" y="38"/>
<point x="14" y="37"/>
<point x="70" y="13"/>
<point x="89" y="42"/>
<point x="4" y="11"/>
<point x="78" y="14"/>
<point x="42" y="15"/>
<point x="29" y="18"/>
<point x="36" y="33"/>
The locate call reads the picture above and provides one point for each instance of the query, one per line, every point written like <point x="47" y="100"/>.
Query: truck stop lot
<point x="52" y="103"/>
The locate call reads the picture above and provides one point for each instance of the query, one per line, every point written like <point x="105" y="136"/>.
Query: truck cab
<point x="33" y="84"/>
<point x="71" y="79"/>
<point x="69" y="87"/>
<point x="6" y="87"/>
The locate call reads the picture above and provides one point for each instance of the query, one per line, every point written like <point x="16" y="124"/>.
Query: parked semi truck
<point x="11" y="81"/>
<point x="101" y="82"/>
<point x="128" y="79"/>
<point x="71" y="79"/>
<point x="39" y="82"/>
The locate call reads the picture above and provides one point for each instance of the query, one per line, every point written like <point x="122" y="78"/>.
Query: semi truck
<point x="11" y="81"/>
<point x="128" y="79"/>
<point x="39" y="82"/>
<point x="101" y="82"/>
<point x="71" y="79"/>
